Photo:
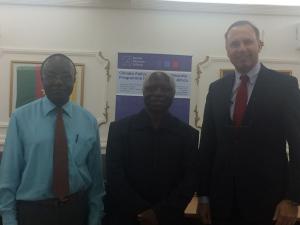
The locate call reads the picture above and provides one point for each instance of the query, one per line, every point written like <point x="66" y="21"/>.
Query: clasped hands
<point x="147" y="217"/>
<point x="286" y="213"/>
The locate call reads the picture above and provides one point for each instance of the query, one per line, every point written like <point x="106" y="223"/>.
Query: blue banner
<point x="132" y="69"/>
<point x="164" y="62"/>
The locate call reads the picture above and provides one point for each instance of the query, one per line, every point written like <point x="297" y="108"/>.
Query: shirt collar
<point x="48" y="106"/>
<point x="252" y="74"/>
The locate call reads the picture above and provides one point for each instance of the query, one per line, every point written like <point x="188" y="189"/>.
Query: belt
<point x="54" y="202"/>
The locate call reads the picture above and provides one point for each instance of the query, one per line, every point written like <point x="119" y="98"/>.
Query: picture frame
<point x="286" y="72"/>
<point x="223" y="72"/>
<point x="26" y="85"/>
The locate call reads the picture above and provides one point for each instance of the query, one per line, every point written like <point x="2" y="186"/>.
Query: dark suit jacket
<point x="249" y="165"/>
<point x="0" y="162"/>
<point x="150" y="168"/>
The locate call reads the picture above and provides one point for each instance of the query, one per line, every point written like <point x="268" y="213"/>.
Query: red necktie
<point x="60" y="158"/>
<point x="241" y="101"/>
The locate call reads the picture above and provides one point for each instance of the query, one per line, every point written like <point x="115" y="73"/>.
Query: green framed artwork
<point x="26" y="84"/>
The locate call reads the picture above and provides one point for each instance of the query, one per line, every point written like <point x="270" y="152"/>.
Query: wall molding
<point x="164" y="5"/>
<point x="27" y="51"/>
<point x="2" y="139"/>
<point x="3" y="125"/>
<point x="224" y="59"/>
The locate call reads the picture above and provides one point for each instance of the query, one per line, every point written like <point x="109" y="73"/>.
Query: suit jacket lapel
<point x="257" y="92"/>
<point x="225" y="96"/>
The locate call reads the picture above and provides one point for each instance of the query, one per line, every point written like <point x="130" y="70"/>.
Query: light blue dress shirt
<point x="27" y="163"/>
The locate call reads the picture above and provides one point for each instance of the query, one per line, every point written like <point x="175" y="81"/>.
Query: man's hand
<point x="286" y="213"/>
<point x="147" y="217"/>
<point x="203" y="210"/>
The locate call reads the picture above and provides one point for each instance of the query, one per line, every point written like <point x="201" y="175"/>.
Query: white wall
<point x="31" y="33"/>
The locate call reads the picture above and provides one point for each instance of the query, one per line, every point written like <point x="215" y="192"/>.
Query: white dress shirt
<point x="252" y="74"/>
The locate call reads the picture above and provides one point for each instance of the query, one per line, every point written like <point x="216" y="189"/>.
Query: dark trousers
<point x="121" y="219"/>
<point x="73" y="211"/>
<point x="241" y="223"/>
<point x="237" y="218"/>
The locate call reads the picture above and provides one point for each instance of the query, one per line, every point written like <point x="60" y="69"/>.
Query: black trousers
<point x="241" y="223"/>
<point x="236" y="218"/>
<point x="72" y="211"/>
<point x="121" y="219"/>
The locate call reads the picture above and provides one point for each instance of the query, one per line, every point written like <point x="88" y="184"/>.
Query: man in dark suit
<point x="0" y="162"/>
<point x="246" y="176"/>
<point x="151" y="161"/>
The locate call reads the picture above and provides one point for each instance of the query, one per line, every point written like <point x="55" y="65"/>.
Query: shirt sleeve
<point x="96" y="191"/>
<point x="10" y="172"/>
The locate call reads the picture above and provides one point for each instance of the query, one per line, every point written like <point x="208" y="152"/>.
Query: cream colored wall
<point x="31" y="33"/>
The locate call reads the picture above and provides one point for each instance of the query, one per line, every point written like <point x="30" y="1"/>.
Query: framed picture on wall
<point x="286" y="72"/>
<point x="26" y="84"/>
<point x="224" y="72"/>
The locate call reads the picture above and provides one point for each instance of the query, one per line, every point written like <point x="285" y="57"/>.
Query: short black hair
<point x="243" y="23"/>
<point x="161" y="73"/>
<point x="49" y="58"/>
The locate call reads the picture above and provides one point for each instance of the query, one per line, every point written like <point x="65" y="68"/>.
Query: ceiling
<point x="75" y="3"/>
<point x="164" y="5"/>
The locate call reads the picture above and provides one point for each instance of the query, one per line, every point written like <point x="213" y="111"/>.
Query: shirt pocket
<point x="82" y="147"/>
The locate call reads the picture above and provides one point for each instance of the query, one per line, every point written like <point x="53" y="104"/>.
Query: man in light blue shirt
<point x="26" y="172"/>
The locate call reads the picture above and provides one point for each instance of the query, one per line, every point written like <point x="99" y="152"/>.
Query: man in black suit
<point x="246" y="177"/>
<point x="151" y="161"/>
<point x="0" y="162"/>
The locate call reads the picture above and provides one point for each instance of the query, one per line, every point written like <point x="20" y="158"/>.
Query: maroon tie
<point x="240" y="101"/>
<point x="60" y="158"/>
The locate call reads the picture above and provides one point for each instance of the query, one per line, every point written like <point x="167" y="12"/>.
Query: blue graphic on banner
<point x="132" y="69"/>
<point x="154" y="62"/>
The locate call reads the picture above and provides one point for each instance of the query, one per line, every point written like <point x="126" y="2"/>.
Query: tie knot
<point x="244" y="78"/>
<point x="59" y="110"/>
